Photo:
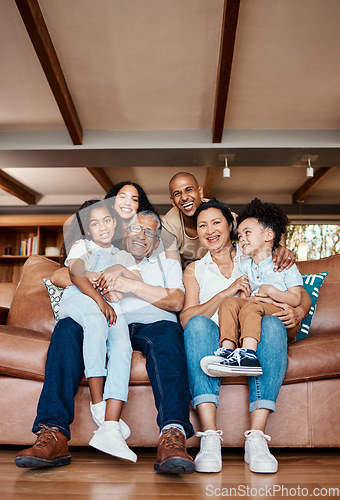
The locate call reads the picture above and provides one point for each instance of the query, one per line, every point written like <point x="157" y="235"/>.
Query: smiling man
<point x="186" y="196"/>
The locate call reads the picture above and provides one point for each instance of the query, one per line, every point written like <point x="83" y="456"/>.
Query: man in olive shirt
<point x="186" y="196"/>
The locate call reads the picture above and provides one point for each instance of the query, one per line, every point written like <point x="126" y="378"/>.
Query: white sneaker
<point x="257" y="454"/>
<point x="108" y="438"/>
<point x="209" y="458"/>
<point x="98" y="415"/>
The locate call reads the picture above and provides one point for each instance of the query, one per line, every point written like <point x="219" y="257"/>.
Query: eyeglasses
<point x="149" y="233"/>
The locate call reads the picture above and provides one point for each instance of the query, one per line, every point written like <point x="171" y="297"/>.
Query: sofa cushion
<point x="312" y="284"/>
<point x="314" y="358"/>
<point x="23" y="352"/>
<point x="6" y="294"/>
<point x="23" y="355"/>
<point x="31" y="306"/>
<point x="327" y="318"/>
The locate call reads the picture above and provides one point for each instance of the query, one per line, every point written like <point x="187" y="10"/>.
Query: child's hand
<point x="264" y="291"/>
<point x="107" y="310"/>
<point x="113" y="296"/>
<point x="241" y="285"/>
<point x="108" y="277"/>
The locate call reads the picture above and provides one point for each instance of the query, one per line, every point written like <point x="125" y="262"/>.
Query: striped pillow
<point x="312" y="284"/>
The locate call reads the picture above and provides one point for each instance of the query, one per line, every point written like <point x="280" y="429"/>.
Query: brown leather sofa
<point x="308" y="406"/>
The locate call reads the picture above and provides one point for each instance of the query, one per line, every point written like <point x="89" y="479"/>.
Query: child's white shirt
<point x="91" y="254"/>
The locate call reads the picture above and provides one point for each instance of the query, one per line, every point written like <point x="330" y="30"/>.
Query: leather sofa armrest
<point x="3" y="315"/>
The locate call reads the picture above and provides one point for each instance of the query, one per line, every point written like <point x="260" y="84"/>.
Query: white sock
<point x="174" y="426"/>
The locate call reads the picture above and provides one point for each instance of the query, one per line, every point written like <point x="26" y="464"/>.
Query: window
<point x="313" y="241"/>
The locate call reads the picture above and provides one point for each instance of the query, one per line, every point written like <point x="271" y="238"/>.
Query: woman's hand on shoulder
<point x="283" y="258"/>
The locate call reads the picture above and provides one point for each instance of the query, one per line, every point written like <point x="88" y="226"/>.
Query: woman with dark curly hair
<point x="143" y="202"/>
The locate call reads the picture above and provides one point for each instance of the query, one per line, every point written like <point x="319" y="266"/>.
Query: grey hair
<point x="153" y="215"/>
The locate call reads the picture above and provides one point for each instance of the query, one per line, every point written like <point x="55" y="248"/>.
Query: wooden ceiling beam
<point x="209" y="181"/>
<point x="228" y="35"/>
<point x="15" y="188"/>
<point x="42" y="43"/>
<point x="101" y="177"/>
<point x="311" y="184"/>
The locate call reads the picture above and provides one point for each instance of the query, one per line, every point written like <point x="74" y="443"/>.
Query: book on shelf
<point x="35" y="245"/>
<point x="22" y="247"/>
<point x="29" y="246"/>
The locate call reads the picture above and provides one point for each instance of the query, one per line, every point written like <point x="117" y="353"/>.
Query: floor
<point x="93" y="475"/>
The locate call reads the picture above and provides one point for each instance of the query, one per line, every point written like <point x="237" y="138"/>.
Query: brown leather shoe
<point x="49" y="450"/>
<point x="172" y="457"/>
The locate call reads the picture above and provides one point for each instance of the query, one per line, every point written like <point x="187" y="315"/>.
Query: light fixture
<point x="226" y="170"/>
<point x="310" y="169"/>
<point x="226" y="157"/>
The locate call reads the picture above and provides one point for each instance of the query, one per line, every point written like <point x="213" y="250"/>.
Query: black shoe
<point x="239" y="362"/>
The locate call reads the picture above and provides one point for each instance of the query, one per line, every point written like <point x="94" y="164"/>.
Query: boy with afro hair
<point x="260" y="227"/>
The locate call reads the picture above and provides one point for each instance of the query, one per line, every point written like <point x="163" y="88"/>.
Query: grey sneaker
<point x="219" y="355"/>
<point x="257" y="454"/>
<point x="209" y="458"/>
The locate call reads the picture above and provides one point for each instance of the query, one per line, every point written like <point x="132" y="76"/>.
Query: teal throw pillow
<point x="312" y="284"/>
<point x="55" y="293"/>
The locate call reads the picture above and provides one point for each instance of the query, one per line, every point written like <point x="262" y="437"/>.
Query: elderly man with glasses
<point x="150" y="309"/>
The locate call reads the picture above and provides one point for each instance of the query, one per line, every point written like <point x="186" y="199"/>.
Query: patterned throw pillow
<point x="312" y="284"/>
<point x="55" y="293"/>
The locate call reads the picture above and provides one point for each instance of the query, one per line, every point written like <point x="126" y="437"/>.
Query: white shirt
<point x="157" y="270"/>
<point x="97" y="258"/>
<point x="210" y="279"/>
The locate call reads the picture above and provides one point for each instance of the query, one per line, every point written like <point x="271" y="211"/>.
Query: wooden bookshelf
<point x="14" y="228"/>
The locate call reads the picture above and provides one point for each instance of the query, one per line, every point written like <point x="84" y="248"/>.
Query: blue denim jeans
<point x="162" y="345"/>
<point x="160" y="342"/>
<point x="63" y="372"/>
<point x="99" y="340"/>
<point x="202" y="338"/>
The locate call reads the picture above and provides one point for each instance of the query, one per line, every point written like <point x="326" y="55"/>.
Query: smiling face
<point x="186" y="194"/>
<point x="253" y="237"/>
<point x="127" y="202"/>
<point x="213" y="229"/>
<point x="101" y="226"/>
<point x="139" y="244"/>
